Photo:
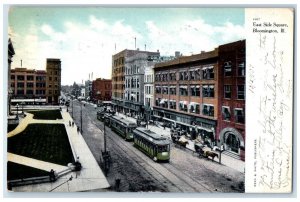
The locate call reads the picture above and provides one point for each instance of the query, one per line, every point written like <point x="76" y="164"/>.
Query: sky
<point x="85" y="38"/>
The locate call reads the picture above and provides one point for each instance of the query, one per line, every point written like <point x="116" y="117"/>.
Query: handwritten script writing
<point x="272" y="154"/>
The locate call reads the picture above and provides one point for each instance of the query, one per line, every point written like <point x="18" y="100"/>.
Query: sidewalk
<point x="89" y="178"/>
<point x="228" y="161"/>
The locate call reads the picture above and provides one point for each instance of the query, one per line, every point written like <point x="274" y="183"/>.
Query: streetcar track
<point x="167" y="167"/>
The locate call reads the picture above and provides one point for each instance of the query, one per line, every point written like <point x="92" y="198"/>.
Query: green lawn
<point x="11" y="127"/>
<point x="46" y="114"/>
<point x="46" y="142"/>
<point x="17" y="171"/>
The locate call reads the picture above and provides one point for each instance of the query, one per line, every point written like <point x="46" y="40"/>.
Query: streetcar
<point x="152" y="144"/>
<point x="122" y="126"/>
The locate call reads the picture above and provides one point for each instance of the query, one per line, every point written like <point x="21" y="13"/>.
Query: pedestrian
<point x="77" y="129"/>
<point x="70" y="123"/>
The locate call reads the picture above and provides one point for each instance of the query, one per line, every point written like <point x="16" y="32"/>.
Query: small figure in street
<point x="78" y="129"/>
<point x="164" y="125"/>
<point x="70" y="123"/>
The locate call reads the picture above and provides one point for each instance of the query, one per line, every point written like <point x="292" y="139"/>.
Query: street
<point x="185" y="172"/>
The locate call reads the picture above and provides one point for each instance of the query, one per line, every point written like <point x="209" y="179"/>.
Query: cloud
<point x="88" y="47"/>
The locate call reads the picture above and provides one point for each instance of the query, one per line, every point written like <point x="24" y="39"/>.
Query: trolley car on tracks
<point x="122" y="126"/>
<point x="152" y="144"/>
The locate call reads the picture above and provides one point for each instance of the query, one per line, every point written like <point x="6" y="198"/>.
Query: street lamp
<point x="23" y="103"/>
<point x="10" y="92"/>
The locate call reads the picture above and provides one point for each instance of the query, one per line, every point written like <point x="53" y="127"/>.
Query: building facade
<point x="134" y="80"/>
<point x="28" y="83"/>
<point x="10" y="54"/>
<point x="231" y="116"/>
<point x="185" y="93"/>
<point x="118" y="76"/>
<point x="53" y="80"/>
<point x="207" y="92"/>
<point x="101" y="90"/>
<point x="88" y="90"/>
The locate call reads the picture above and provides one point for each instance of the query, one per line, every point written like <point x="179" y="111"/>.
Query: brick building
<point x="101" y="90"/>
<point x="53" y="80"/>
<point x="118" y="76"/>
<point x="205" y="92"/>
<point x="28" y="83"/>
<point x="37" y="84"/>
<point x="231" y="110"/>
<point x="184" y="92"/>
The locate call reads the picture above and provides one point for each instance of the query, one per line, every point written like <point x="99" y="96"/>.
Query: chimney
<point x="177" y="54"/>
<point x="158" y="50"/>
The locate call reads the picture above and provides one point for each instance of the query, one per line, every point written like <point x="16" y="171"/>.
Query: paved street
<point x="185" y="172"/>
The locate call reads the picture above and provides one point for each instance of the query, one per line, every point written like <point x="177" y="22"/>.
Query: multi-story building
<point x="28" y="83"/>
<point x="118" y="76"/>
<point x="88" y="90"/>
<point x="134" y="80"/>
<point x="53" y="80"/>
<point x="11" y="52"/>
<point x="185" y="92"/>
<point x="101" y="90"/>
<point x="231" y="110"/>
<point x="207" y="92"/>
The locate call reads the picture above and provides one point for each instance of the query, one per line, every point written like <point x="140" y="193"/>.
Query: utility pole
<point x="81" y="117"/>
<point x="72" y="107"/>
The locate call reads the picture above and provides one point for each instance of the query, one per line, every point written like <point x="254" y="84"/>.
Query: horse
<point x="210" y="154"/>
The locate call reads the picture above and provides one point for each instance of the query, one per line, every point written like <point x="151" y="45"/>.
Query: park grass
<point x="11" y="127"/>
<point x="46" y="142"/>
<point x="46" y="114"/>
<point x="18" y="171"/>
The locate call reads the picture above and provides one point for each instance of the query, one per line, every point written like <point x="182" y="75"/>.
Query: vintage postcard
<point x="149" y="99"/>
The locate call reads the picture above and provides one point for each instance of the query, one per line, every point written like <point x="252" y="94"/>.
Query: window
<point x="29" y="92"/>
<point x="165" y="90"/>
<point x="172" y="90"/>
<point x="12" y="85"/>
<point x="12" y="77"/>
<point x="194" y="108"/>
<point x="227" y="91"/>
<point x="183" y="75"/>
<point x="208" y="91"/>
<point x="241" y="69"/>
<point x="208" y="110"/>
<point x="50" y="78"/>
<point x="172" y="76"/>
<point x="239" y="115"/>
<point x="137" y="83"/>
<point x="20" y="85"/>
<point x="208" y="72"/>
<point x="50" y="92"/>
<point x="29" y="78"/>
<point x="50" y="86"/>
<point x="227" y="68"/>
<point x="241" y="92"/>
<point x="29" y="85"/>
<point x="158" y="89"/>
<point x="20" y="77"/>
<point x="156" y="77"/>
<point x="195" y="90"/>
<point x="163" y="103"/>
<point x="172" y="104"/>
<point x="183" y="90"/>
<point x="137" y="96"/>
<point x="55" y="78"/>
<point x="226" y="113"/>
<point x="183" y="106"/>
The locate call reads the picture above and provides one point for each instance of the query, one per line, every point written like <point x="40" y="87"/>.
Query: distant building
<point x="28" y="83"/>
<point x="53" y="80"/>
<point x="11" y="52"/>
<point x="88" y="89"/>
<point x="101" y="90"/>
<point x="37" y="84"/>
